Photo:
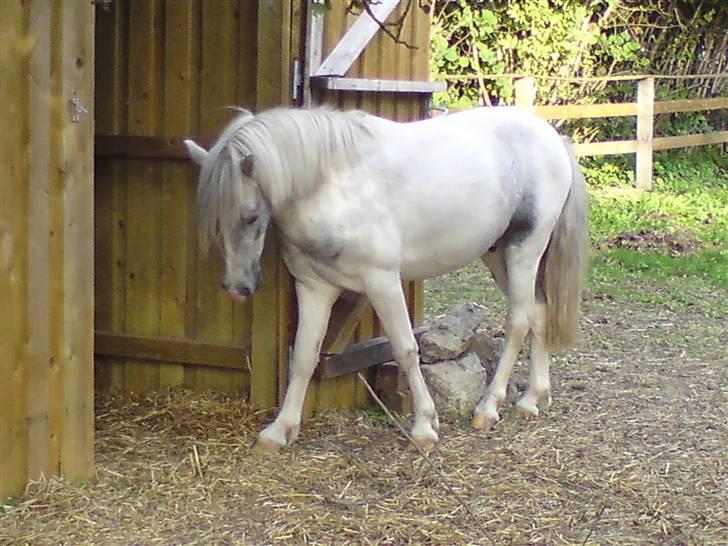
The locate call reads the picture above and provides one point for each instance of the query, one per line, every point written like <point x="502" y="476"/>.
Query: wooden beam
<point x="359" y="356"/>
<point x="345" y="317"/>
<point x="146" y="147"/>
<point x="584" y="111"/>
<point x="383" y="86"/>
<point x="609" y="147"/>
<point x="355" y="40"/>
<point x="691" y="105"/>
<point x="175" y="350"/>
<point x="685" y="141"/>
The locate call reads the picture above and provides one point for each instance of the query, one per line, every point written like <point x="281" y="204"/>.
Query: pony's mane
<point x="294" y="151"/>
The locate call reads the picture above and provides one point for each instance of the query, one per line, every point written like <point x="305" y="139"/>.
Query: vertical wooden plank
<point x="110" y="187"/>
<point x="218" y="90"/>
<point x="177" y="177"/>
<point x="39" y="89"/>
<point x="192" y="266"/>
<point x="313" y="47"/>
<point x="15" y="45"/>
<point x="144" y="190"/>
<point x="76" y="58"/>
<point x="273" y="88"/>
<point x="287" y="298"/>
<point x="56" y="312"/>
<point x="246" y="96"/>
<point x="525" y="89"/>
<point x="645" y="116"/>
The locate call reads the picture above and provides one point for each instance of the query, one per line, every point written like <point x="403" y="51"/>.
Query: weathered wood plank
<point x="691" y="105"/>
<point x="146" y="147"/>
<point x="584" y="111"/>
<point x="609" y="147"/>
<point x="177" y="178"/>
<point x="218" y="90"/>
<point x="178" y="350"/>
<point x="39" y="112"/>
<point x="13" y="248"/>
<point x="375" y="85"/>
<point x="353" y="42"/>
<point x="358" y="356"/>
<point x="77" y="54"/>
<point x="144" y="200"/>
<point x="273" y="88"/>
<point x="684" y="141"/>
<point x="110" y="184"/>
<point x="645" y="117"/>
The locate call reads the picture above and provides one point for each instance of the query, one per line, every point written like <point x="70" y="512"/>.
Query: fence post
<point x="645" y="114"/>
<point x="525" y="93"/>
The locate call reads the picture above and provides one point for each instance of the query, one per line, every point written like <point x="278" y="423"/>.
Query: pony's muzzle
<point x="242" y="290"/>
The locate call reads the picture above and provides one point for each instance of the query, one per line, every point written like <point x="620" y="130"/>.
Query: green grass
<point x="689" y="204"/>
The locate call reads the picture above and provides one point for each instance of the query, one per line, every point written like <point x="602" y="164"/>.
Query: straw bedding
<point x="632" y="451"/>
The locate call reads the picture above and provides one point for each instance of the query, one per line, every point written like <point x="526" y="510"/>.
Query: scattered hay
<point x="631" y="452"/>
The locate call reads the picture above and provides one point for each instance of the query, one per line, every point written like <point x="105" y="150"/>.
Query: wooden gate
<point x="166" y="70"/>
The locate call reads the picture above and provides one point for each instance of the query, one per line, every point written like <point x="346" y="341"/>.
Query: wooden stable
<point x="102" y="280"/>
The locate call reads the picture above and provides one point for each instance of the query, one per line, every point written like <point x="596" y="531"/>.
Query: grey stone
<point x="456" y="385"/>
<point x="487" y="348"/>
<point x="448" y="337"/>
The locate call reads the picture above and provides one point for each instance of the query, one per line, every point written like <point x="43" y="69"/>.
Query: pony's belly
<point x="438" y="259"/>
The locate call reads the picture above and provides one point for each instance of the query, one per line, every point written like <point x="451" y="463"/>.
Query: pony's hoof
<point x="422" y="444"/>
<point x="526" y="411"/>
<point x="483" y="422"/>
<point x="265" y="447"/>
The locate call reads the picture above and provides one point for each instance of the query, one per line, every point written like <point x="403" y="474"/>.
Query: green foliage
<point x="568" y="39"/>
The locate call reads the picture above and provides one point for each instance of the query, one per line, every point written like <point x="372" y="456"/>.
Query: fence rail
<point x="645" y="108"/>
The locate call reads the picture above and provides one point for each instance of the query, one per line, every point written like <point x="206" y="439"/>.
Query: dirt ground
<point x="633" y="450"/>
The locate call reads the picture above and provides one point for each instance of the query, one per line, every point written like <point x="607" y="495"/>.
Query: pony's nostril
<point x="243" y="290"/>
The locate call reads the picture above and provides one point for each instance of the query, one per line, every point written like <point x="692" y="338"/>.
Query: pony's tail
<point x="564" y="262"/>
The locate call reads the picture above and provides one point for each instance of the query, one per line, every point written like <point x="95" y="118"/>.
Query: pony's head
<point x="233" y="212"/>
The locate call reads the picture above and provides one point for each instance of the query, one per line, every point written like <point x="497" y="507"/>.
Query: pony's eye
<point x="250" y="221"/>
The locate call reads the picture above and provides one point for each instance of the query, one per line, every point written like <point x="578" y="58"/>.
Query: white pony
<point x="363" y="203"/>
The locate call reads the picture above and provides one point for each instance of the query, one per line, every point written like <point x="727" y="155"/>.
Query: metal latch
<point x="77" y="109"/>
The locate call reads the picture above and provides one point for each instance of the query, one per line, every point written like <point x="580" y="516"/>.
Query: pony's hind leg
<point x="521" y="265"/>
<point x="539" y="384"/>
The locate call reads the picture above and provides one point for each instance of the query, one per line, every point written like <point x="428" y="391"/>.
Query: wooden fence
<point x="645" y="108"/>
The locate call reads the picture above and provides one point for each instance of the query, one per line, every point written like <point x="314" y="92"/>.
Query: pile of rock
<point x="457" y="355"/>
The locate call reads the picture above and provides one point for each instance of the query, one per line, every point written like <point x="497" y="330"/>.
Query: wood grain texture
<point x="15" y="46"/>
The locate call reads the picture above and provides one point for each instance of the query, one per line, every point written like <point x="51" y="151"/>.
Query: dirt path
<point x="634" y="450"/>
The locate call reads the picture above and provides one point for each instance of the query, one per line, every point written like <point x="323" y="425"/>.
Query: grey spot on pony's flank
<point x="522" y="222"/>
<point x="325" y="249"/>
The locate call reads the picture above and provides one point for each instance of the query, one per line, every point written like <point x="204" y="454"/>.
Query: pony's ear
<point x="197" y="153"/>
<point x="247" y="164"/>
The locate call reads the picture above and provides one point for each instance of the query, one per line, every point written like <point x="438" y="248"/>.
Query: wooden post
<point x="525" y="93"/>
<point x="645" y="112"/>
<point x="270" y="303"/>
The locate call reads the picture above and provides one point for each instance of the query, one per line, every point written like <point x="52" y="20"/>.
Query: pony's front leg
<point x="315" y="300"/>
<point x="385" y="292"/>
